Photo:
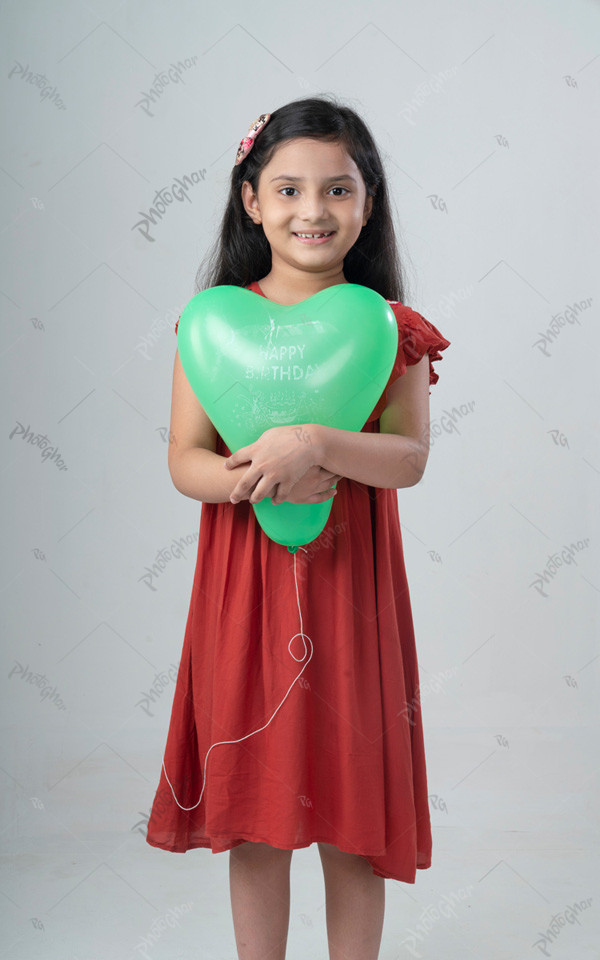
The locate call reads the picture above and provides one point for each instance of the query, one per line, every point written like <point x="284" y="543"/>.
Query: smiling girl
<point x="342" y="764"/>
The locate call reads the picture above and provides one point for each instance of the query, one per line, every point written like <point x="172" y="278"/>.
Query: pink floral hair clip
<point x="248" y="141"/>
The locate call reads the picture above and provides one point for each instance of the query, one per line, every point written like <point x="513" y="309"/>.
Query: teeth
<point x="311" y="236"/>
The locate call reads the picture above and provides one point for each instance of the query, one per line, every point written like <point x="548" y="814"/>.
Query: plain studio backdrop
<point x="487" y="116"/>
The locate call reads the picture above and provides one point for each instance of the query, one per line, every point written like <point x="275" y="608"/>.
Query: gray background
<point x="486" y="115"/>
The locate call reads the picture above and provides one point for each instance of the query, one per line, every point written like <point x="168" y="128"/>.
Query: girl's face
<point x="309" y="187"/>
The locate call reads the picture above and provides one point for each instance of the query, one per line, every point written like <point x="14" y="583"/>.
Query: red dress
<point x="342" y="759"/>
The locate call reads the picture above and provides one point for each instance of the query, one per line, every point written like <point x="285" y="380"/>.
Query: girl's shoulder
<point x="416" y="337"/>
<point x="411" y="320"/>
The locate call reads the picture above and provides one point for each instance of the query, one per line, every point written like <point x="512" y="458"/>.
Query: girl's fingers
<point x="259" y="493"/>
<point x="280" y="494"/>
<point x="237" y="495"/>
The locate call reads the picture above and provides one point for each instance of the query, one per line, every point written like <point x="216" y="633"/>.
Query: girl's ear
<point x="250" y="201"/>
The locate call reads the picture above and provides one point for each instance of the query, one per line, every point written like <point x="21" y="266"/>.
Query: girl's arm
<point x="196" y="469"/>
<point x="397" y="456"/>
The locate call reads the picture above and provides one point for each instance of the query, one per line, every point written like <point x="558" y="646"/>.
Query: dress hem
<point x="295" y="846"/>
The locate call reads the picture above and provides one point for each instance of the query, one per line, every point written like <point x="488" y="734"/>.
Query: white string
<point x="298" y="660"/>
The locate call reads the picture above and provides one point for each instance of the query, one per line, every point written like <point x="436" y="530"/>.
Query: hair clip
<point x="247" y="142"/>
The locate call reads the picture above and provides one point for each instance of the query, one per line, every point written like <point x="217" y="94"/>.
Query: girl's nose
<point x="314" y="206"/>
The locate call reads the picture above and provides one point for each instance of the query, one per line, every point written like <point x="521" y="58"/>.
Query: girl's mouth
<point x="313" y="238"/>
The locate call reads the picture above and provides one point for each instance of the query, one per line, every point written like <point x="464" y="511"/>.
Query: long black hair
<point x="242" y="253"/>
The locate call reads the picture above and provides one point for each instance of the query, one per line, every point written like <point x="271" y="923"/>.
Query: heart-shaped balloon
<point x="256" y="364"/>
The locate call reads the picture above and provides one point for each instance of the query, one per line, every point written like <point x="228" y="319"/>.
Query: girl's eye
<point x="331" y="188"/>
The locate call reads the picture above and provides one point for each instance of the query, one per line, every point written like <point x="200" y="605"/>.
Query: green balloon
<point x="255" y="364"/>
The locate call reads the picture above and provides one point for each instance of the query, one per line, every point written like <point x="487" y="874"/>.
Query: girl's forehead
<point x="307" y="148"/>
<point x="305" y="156"/>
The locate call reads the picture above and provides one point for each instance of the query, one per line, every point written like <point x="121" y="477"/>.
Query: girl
<point x="341" y="762"/>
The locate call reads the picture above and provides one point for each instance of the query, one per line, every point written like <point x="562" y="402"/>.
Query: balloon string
<point x="297" y="659"/>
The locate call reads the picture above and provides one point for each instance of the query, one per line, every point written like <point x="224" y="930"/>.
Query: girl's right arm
<point x="199" y="472"/>
<point x="196" y="469"/>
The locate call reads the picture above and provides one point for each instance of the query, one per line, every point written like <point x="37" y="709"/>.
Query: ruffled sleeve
<point x="416" y="337"/>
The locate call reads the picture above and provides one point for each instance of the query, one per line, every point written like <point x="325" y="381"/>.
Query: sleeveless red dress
<point x="341" y="759"/>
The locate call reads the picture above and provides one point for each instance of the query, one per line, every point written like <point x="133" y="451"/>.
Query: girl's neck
<point x="287" y="292"/>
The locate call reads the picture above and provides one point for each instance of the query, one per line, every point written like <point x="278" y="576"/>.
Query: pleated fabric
<point x="289" y="741"/>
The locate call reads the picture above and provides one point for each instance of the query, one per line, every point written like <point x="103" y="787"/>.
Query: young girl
<point x="341" y="763"/>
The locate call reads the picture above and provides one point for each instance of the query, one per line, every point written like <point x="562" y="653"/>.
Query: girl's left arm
<point x="394" y="457"/>
<point x="397" y="455"/>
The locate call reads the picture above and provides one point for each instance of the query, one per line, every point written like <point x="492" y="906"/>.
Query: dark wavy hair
<point x="242" y="253"/>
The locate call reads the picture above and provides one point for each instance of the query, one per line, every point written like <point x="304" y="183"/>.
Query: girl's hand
<point x="279" y="458"/>
<point x="314" y="487"/>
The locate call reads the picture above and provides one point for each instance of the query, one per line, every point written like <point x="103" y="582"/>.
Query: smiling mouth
<point x="314" y="236"/>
